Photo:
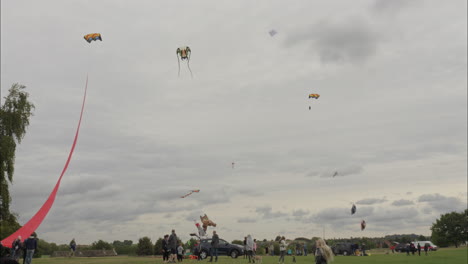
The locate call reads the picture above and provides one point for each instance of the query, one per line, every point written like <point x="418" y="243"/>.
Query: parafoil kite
<point x="363" y="225"/>
<point x="353" y="209"/>
<point x="335" y="174"/>
<point x="184" y="54"/>
<point x="272" y="32"/>
<point x="192" y="191"/>
<point x="316" y="96"/>
<point x="93" y="36"/>
<point x="27" y="229"/>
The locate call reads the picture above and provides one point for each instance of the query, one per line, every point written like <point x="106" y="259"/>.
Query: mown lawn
<point x="442" y="256"/>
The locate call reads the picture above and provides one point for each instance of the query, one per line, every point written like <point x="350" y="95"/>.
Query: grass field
<point x="443" y="256"/>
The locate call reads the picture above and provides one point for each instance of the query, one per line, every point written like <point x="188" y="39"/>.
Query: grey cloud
<point x="352" y="40"/>
<point x="267" y="213"/>
<point x="443" y="204"/>
<point x="402" y="202"/>
<point x="369" y="201"/>
<point x="246" y="220"/>
<point x="300" y="213"/>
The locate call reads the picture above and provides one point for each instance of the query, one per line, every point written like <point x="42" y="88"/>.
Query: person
<point x="31" y="245"/>
<point x="412" y="248"/>
<point x="245" y="247"/>
<point x="283" y="246"/>
<point x="363" y="249"/>
<point x="305" y="249"/>
<point x="198" y="247"/>
<point x="419" y="250"/>
<point x="255" y="246"/>
<point x="266" y="249"/>
<point x="180" y="253"/>
<point x="408" y="248"/>
<point x="72" y="248"/>
<point x="165" y="248"/>
<point x="323" y="253"/>
<point x="214" y="246"/>
<point x="173" y="246"/>
<point x="250" y="248"/>
<point x="272" y="249"/>
<point x="16" y="249"/>
<point x="426" y="248"/>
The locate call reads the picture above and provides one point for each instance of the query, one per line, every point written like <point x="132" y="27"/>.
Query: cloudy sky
<point x="391" y="118"/>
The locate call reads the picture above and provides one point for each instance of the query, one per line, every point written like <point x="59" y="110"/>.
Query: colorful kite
<point x="93" y="36"/>
<point x="27" y="229"/>
<point x="316" y="96"/>
<point x="192" y="191"/>
<point x="184" y="54"/>
<point x="363" y="225"/>
<point x="353" y="209"/>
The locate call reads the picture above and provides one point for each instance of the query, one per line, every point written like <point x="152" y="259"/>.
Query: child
<point x="180" y="253"/>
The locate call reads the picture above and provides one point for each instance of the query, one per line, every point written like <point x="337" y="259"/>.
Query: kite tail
<point x="178" y="62"/>
<point x="27" y="229"/>
<point x="188" y="66"/>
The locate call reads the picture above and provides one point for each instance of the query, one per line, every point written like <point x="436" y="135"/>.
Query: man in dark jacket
<point x="31" y="245"/>
<point x="173" y="246"/>
<point x="214" y="247"/>
<point x="165" y="248"/>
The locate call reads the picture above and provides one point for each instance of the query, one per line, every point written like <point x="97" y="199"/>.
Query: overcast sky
<point x="391" y="118"/>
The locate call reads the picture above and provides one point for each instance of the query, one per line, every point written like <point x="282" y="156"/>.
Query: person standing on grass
<point x="249" y="248"/>
<point x="214" y="247"/>
<point x="426" y="248"/>
<point x="165" y="248"/>
<point x="180" y="253"/>
<point x="323" y="253"/>
<point x="283" y="246"/>
<point x="31" y="246"/>
<point x="245" y="247"/>
<point x="173" y="246"/>
<point x="16" y="249"/>
<point x="72" y="248"/>
<point x="419" y="249"/>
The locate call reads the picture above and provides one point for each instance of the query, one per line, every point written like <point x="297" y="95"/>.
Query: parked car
<point x="344" y="249"/>
<point x="401" y="247"/>
<point x="224" y="249"/>
<point x="432" y="247"/>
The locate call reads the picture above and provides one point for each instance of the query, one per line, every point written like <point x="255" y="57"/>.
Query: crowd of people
<point x="20" y="249"/>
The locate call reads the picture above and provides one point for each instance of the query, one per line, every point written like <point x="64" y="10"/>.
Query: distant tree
<point x="101" y="244"/>
<point x="158" y="250"/>
<point x="422" y="238"/>
<point x="450" y="229"/>
<point x="144" y="246"/>
<point x="128" y="242"/>
<point x="190" y="244"/>
<point x="237" y="242"/>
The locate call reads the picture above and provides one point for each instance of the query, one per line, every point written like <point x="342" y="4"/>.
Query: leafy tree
<point x="158" y="249"/>
<point x="144" y="246"/>
<point x="450" y="229"/>
<point x="128" y="242"/>
<point x="14" y="119"/>
<point x="238" y="242"/>
<point x="101" y="244"/>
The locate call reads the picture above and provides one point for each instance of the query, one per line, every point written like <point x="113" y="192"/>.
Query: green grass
<point x="442" y="256"/>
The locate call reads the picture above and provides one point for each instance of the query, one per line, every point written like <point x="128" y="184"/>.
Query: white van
<point x="432" y="247"/>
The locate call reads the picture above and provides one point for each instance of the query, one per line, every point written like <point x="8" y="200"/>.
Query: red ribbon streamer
<point x="27" y="229"/>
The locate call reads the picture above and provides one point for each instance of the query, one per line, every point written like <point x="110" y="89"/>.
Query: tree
<point x="450" y="229"/>
<point x="158" y="249"/>
<point x="101" y="244"/>
<point x="14" y="119"/>
<point x="145" y="246"/>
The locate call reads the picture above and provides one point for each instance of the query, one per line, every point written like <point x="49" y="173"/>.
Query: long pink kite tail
<point x="27" y="229"/>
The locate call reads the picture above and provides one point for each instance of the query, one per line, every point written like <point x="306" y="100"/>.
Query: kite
<point x="192" y="191"/>
<point x="335" y="174"/>
<point x="201" y="231"/>
<point x="184" y="54"/>
<point x="207" y="222"/>
<point x="93" y="36"/>
<point x="363" y="225"/>
<point x="316" y="96"/>
<point x="27" y="229"/>
<point x="353" y="209"/>
<point x="233" y="165"/>
<point x="272" y="32"/>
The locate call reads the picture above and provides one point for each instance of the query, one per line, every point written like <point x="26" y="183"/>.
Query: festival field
<point x="443" y="256"/>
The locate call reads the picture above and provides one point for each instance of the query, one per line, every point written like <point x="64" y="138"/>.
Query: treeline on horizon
<point x="145" y="246"/>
